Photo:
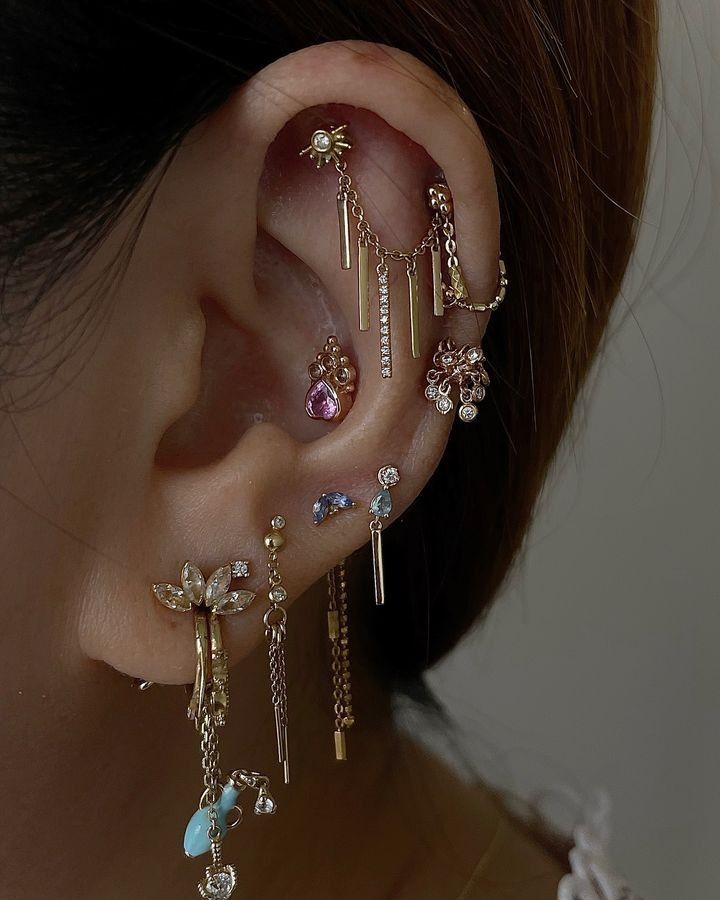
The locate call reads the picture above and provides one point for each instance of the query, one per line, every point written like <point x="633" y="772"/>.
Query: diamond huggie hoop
<point x="208" y="707"/>
<point x="339" y="635"/>
<point x="275" y="620"/>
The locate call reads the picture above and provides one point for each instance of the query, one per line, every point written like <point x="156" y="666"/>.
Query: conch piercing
<point x="208" y="708"/>
<point x="332" y="377"/>
<point x="275" y="620"/>
<point x="328" y="145"/>
<point x="464" y="367"/>
<point x="380" y="508"/>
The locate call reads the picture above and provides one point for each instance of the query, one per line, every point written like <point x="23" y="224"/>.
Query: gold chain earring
<point x="328" y="146"/>
<point x="275" y="620"/>
<point x="339" y="635"/>
<point x="208" y="708"/>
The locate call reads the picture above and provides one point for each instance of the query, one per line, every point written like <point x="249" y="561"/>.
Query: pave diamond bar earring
<point x="209" y="600"/>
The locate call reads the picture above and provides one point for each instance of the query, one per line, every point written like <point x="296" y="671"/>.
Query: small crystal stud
<point x="278" y="522"/>
<point x="388" y="476"/>
<point x="278" y="594"/>
<point x="240" y="568"/>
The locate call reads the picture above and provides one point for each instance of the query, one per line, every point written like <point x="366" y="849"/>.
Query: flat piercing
<point x="332" y="383"/>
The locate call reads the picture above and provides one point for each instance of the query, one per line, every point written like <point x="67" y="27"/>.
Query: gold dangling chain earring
<point x="339" y="635"/>
<point x="275" y="620"/>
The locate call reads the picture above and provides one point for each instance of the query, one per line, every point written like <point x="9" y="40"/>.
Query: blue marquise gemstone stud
<point x="329" y="504"/>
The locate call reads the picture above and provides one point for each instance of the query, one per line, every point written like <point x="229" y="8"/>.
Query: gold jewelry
<point x="332" y="377"/>
<point x="339" y="635"/>
<point x="464" y="367"/>
<point x="275" y="620"/>
<point x="381" y="508"/>
<point x="208" y="707"/>
<point x="328" y="145"/>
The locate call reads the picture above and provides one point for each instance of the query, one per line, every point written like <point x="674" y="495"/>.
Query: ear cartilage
<point x="381" y="508"/>
<point x="332" y="383"/>
<point x="328" y="145"/>
<point x="331" y="504"/>
<point x="464" y="367"/>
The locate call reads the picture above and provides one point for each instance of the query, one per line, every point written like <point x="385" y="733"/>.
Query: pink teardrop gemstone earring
<point x="332" y="378"/>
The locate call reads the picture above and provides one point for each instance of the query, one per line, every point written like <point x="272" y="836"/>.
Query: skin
<point x="175" y="430"/>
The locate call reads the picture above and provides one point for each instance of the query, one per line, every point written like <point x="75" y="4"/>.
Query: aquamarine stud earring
<point x="381" y="507"/>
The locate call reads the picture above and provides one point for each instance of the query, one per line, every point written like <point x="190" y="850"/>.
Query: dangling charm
<point x="208" y="708"/>
<point x="464" y="367"/>
<point x="381" y="508"/>
<point x="333" y="383"/>
<point x="275" y="620"/>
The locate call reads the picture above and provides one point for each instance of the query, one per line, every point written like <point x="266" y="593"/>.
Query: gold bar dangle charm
<point x="414" y="310"/>
<point x="438" y="305"/>
<point x="344" y="223"/>
<point x="340" y="746"/>
<point x="377" y="556"/>
<point x="363" y="285"/>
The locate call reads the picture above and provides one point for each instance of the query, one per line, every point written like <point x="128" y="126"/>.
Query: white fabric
<point x="592" y="876"/>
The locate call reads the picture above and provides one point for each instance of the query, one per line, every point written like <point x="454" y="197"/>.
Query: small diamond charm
<point x="464" y="367"/>
<point x="240" y="568"/>
<point x="219" y="882"/>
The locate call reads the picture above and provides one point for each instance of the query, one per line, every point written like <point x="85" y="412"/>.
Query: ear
<point x="233" y="288"/>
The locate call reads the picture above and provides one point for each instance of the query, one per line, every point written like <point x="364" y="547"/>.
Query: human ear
<point x="233" y="287"/>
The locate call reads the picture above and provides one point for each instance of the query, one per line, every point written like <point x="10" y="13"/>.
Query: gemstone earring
<point x="332" y="378"/>
<point x="209" y="600"/>
<point x="330" y="504"/>
<point x="381" y="508"/>
<point x="275" y="620"/>
<point x="339" y="635"/>
<point x="464" y="367"/>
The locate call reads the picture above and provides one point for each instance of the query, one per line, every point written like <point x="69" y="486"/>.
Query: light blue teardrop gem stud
<point x="196" y="840"/>
<point x="381" y="504"/>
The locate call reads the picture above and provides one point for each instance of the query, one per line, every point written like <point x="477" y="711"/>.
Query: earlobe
<point x="273" y="284"/>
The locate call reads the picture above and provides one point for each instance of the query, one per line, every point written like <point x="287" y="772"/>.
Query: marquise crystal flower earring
<point x="209" y="601"/>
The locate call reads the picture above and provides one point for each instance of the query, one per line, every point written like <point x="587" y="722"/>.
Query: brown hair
<point x="562" y="91"/>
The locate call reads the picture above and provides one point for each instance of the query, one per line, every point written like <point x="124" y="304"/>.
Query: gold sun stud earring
<point x="218" y="810"/>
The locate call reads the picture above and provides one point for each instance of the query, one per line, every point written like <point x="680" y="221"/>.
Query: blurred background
<point x="599" y="665"/>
